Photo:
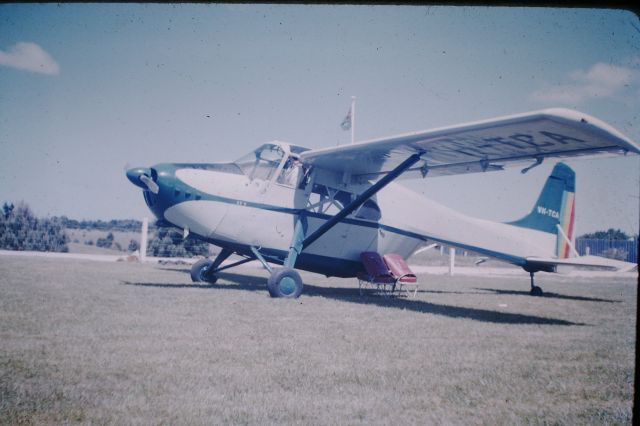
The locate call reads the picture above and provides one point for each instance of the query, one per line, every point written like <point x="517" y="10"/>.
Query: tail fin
<point x="555" y="206"/>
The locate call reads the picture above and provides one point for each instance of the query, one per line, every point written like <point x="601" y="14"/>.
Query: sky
<point x="87" y="90"/>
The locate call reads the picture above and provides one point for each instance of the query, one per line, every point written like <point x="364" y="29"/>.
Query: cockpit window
<point x="262" y="163"/>
<point x="289" y="174"/>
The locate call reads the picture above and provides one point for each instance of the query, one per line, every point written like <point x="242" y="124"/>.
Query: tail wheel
<point x="536" y="291"/>
<point x="285" y="282"/>
<point x="199" y="272"/>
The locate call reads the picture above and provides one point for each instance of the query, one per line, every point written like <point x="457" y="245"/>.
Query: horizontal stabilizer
<point x="593" y="261"/>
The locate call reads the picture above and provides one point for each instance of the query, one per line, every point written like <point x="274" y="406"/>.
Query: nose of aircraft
<point x="134" y="176"/>
<point x="143" y="178"/>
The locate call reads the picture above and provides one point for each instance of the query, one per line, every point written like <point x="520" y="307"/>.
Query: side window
<point x="342" y="198"/>
<point x="369" y="211"/>
<point x="336" y="200"/>
<point x="289" y="173"/>
<point x="324" y="199"/>
<point x="320" y="190"/>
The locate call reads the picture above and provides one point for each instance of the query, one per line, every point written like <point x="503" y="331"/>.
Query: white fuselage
<point x="262" y="214"/>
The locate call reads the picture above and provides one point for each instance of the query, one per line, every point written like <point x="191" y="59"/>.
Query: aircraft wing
<point x="593" y="261"/>
<point x="486" y="145"/>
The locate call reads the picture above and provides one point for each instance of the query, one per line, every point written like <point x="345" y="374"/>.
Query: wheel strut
<point x="204" y="270"/>
<point x="535" y="290"/>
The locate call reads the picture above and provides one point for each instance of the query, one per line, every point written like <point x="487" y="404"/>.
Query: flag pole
<point x="353" y="118"/>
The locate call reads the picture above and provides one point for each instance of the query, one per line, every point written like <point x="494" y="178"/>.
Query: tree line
<point x="21" y="230"/>
<point x="124" y="225"/>
<point x="163" y="242"/>
<point x="609" y="234"/>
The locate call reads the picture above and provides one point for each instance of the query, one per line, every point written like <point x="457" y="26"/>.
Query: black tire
<point x="199" y="272"/>
<point x="285" y="282"/>
<point x="536" y="291"/>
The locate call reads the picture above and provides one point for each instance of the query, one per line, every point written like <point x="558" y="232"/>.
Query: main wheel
<point x="199" y="272"/>
<point x="284" y="282"/>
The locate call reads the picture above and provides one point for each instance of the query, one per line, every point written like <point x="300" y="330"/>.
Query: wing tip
<point x="576" y="116"/>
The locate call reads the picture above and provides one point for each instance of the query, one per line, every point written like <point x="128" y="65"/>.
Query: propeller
<point x="151" y="185"/>
<point x="140" y="177"/>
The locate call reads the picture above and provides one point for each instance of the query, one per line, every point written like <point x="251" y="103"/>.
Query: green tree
<point x="609" y="234"/>
<point x="20" y="229"/>
<point x="106" y="242"/>
<point x="7" y="209"/>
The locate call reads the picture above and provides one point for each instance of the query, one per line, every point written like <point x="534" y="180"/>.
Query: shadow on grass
<point x="229" y="282"/>
<point x="549" y="295"/>
<point x="186" y="271"/>
<point x="352" y="295"/>
<point x="422" y="291"/>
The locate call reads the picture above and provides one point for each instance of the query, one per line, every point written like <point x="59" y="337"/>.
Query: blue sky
<point x="87" y="89"/>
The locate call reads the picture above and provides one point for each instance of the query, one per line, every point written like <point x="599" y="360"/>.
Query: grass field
<point x="127" y="343"/>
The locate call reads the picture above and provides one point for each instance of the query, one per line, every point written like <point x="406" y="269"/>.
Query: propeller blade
<point x="153" y="187"/>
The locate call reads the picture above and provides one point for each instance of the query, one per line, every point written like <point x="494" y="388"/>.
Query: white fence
<point x="615" y="249"/>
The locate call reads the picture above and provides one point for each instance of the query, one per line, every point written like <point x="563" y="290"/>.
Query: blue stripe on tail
<point x="547" y="212"/>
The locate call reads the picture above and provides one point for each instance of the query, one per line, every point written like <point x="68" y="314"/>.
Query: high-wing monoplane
<point x="319" y="209"/>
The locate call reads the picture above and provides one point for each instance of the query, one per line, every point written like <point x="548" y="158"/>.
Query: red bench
<point x="386" y="273"/>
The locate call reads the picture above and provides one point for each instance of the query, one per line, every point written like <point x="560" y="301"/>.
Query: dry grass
<point x="139" y="344"/>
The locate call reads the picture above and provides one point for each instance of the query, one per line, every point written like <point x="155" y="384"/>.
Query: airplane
<point x="318" y="209"/>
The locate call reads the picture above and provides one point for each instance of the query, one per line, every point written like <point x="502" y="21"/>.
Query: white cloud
<point x="29" y="56"/>
<point x="600" y="81"/>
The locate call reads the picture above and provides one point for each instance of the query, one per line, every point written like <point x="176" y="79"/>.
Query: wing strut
<point x="388" y="178"/>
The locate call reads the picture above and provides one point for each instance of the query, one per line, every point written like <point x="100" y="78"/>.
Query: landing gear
<point x="199" y="272"/>
<point x="284" y="282"/>
<point x="203" y="270"/>
<point x="535" y="290"/>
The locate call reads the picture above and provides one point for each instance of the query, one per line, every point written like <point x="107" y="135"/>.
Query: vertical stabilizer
<point x="555" y="208"/>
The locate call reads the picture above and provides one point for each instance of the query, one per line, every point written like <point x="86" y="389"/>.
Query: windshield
<point x="261" y="163"/>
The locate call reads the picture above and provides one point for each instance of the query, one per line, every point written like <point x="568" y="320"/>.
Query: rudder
<point x="555" y="206"/>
